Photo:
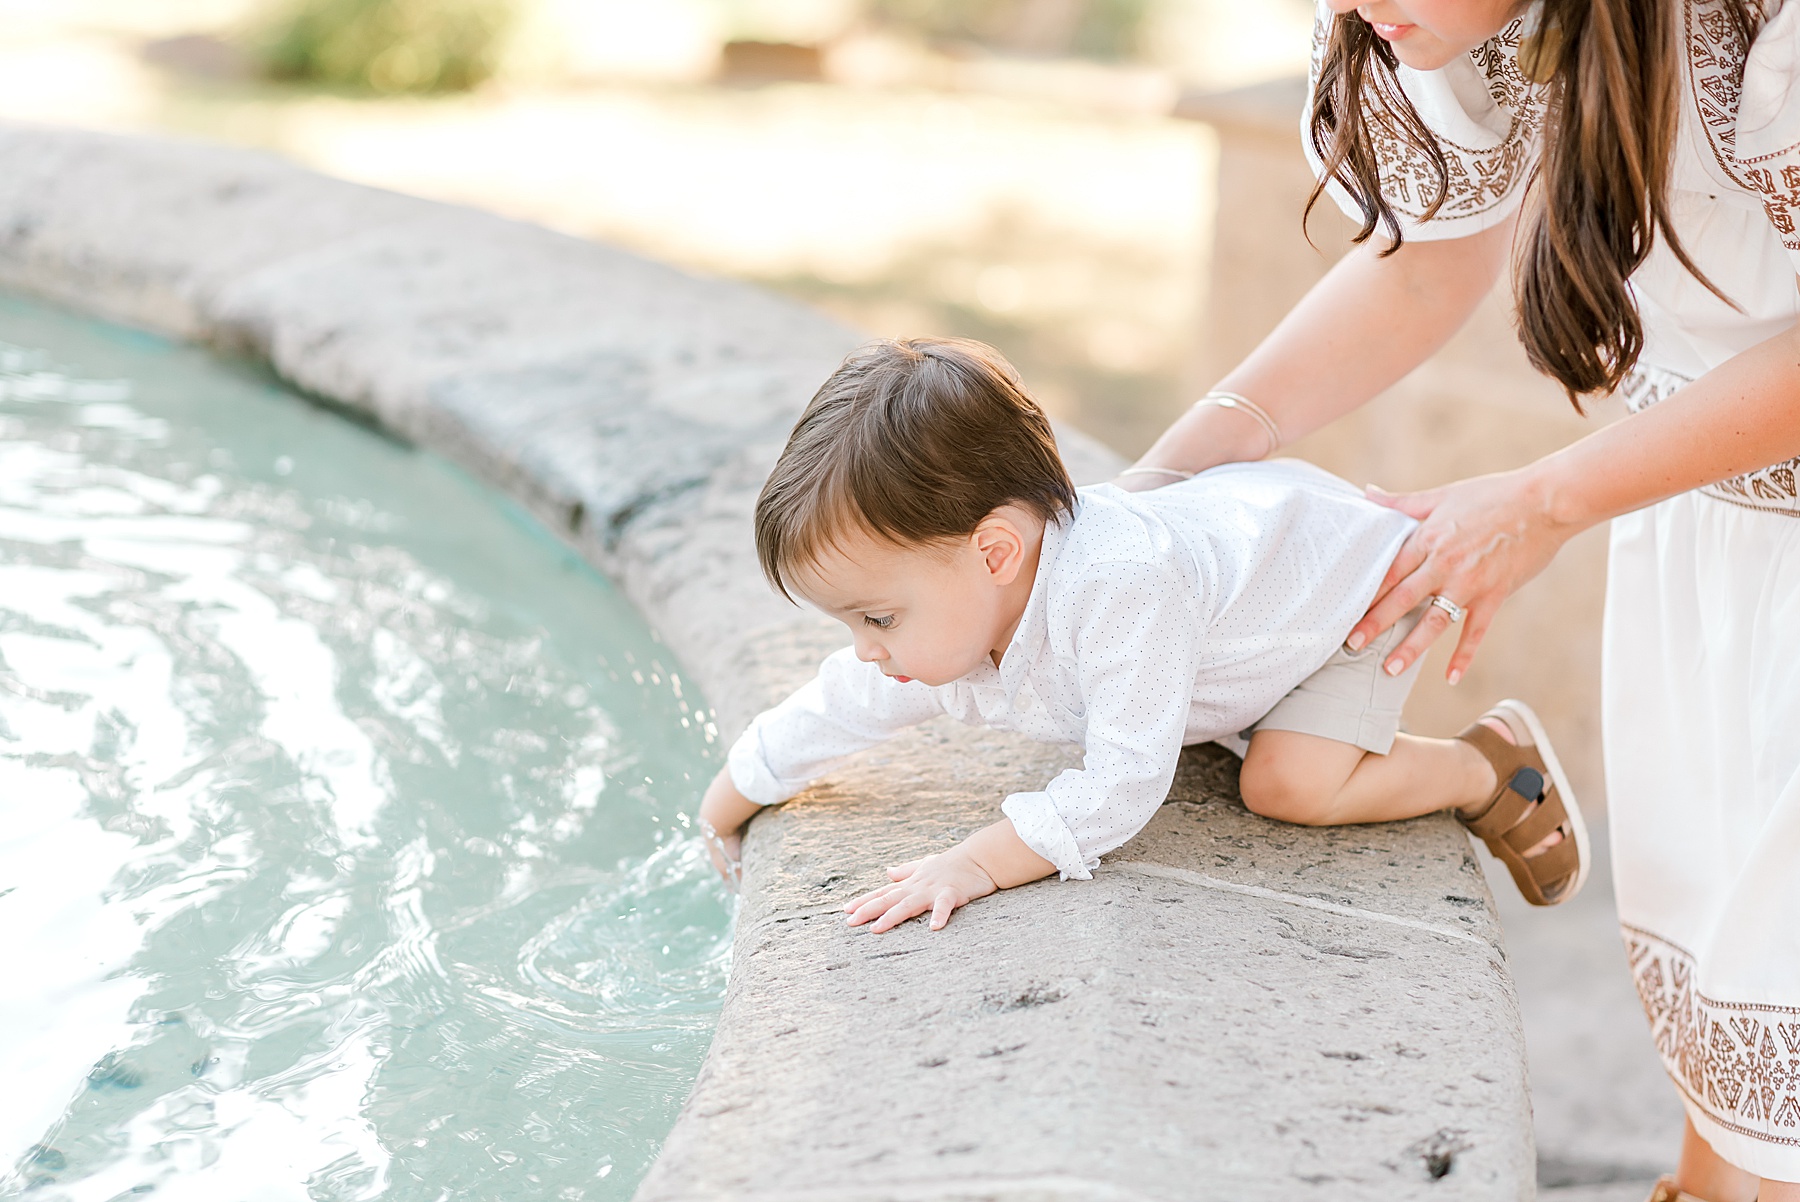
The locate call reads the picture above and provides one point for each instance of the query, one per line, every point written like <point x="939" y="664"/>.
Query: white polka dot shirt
<point x="1157" y="619"/>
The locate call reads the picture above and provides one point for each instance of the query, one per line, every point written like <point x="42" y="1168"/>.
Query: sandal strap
<point x="1502" y="755"/>
<point x="1508" y="805"/>
<point x="1540" y="824"/>
<point x="1667" y="1191"/>
<point x="1502" y="814"/>
<point x="1555" y="864"/>
<point x="1525" y="810"/>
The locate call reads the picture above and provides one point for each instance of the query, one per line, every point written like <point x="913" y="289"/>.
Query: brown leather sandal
<point x="1533" y="800"/>
<point x="1666" y="1191"/>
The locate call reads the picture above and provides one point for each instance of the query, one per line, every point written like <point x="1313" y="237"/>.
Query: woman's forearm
<point x="1369" y="322"/>
<point x="1741" y="416"/>
<point x="1479" y="540"/>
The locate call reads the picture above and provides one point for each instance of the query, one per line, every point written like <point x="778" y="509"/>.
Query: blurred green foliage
<point x="386" y="46"/>
<point x="1108" y="29"/>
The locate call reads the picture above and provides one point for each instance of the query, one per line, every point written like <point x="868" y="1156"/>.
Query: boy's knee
<point x="1273" y="788"/>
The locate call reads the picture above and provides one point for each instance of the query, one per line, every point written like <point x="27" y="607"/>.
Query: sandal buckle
<point x="1528" y="783"/>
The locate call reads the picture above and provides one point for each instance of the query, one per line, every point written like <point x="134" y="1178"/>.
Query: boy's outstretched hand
<point x="990" y="859"/>
<point x="723" y="813"/>
<point x="937" y="883"/>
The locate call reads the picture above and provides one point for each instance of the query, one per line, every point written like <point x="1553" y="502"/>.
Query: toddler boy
<point x="921" y="501"/>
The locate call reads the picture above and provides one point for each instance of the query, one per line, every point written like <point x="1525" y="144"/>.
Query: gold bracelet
<point x="1243" y="404"/>
<point x="1157" y="471"/>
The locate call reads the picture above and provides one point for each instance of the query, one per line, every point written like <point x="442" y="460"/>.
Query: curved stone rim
<point x="1232" y="1009"/>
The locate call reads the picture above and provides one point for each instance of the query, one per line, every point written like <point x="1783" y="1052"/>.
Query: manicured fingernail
<point x="1455" y="676"/>
<point x="1355" y="641"/>
<point x="1394" y="667"/>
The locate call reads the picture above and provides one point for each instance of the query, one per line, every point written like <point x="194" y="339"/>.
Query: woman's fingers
<point x="1416" y="643"/>
<point x="1393" y="600"/>
<point x="1478" y="541"/>
<point x="1475" y="628"/>
<point x="1399" y="601"/>
<point x="1413" y="504"/>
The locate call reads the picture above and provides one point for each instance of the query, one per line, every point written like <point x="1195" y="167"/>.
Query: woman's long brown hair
<point x="1601" y="187"/>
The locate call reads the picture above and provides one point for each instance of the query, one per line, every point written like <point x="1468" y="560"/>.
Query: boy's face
<point x="930" y="614"/>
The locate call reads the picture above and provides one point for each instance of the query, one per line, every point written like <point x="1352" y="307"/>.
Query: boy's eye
<point x="879" y="623"/>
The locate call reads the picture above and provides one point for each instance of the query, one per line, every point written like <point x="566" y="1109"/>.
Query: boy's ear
<point x="1001" y="544"/>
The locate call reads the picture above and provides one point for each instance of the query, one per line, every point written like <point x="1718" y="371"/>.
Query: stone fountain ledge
<point x="1232" y="1009"/>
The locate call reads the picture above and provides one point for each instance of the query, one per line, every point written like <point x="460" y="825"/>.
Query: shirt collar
<point x="1034" y="627"/>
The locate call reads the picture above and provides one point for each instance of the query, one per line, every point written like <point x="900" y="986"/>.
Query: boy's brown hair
<point x="914" y="442"/>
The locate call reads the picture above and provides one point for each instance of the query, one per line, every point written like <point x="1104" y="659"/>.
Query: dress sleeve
<point x="1768" y="123"/>
<point x="848" y="707"/>
<point x="1487" y="118"/>
<point x="1135" y="649"/>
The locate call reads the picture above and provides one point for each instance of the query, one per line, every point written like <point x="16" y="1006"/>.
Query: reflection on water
<point x="342" y="846"/>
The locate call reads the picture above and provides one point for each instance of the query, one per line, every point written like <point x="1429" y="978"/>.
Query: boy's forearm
<point x="1007" y="859"/>
<point x="724" y="808"/>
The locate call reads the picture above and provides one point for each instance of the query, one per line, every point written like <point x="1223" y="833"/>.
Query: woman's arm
<point x="1369" y="322"/>
<point x="1484" y="538"/>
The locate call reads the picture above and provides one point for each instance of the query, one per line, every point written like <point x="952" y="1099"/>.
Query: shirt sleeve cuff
<point x="750" y="771"/>
<point x="1042" y="829"/>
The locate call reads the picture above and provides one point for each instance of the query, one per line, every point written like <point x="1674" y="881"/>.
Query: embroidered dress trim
<point x="1476" y="179"/>
<point x="1739" y="1062"/>
<point x="1716" y="56"/>
<point x="1773" y="489"/>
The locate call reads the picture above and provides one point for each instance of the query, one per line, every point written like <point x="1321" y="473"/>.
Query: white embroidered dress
<point x="1701" y="667"/>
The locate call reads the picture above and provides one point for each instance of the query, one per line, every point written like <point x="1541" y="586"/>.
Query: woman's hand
<point x="1478" y="542"/>
<point x="937" y="884"/>
<point x="1143" y="482"/>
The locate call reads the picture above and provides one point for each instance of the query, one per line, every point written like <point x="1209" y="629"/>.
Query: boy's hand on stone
<point x="936" y="885"/>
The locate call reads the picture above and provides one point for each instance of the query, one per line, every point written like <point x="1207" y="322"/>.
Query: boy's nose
<point x="870" y="652"/>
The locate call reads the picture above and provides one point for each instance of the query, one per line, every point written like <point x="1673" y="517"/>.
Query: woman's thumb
<point x="1412" y="504"/>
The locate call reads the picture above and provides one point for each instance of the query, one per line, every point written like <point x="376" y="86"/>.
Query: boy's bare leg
<point x="1317" y="781"/>
<point x="1321" y="782"/>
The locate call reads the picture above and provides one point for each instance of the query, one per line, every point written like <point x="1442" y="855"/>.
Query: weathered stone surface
<point x="1232" y="1009"/>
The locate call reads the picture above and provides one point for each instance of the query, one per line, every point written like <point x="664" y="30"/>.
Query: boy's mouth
<point x="903" y="679"/>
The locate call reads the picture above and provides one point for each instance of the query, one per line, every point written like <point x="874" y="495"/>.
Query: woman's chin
<point x="1422" y="52"/>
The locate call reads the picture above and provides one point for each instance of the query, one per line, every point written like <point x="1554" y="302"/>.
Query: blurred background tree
<point x="386" y="46"/>
<point x="1103" y="29"/>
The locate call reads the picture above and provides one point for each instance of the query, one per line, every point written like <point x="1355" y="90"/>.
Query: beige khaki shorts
<point x="1350" y="698"/>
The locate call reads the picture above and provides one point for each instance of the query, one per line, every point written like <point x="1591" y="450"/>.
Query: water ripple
<point x="343" y="854"/>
